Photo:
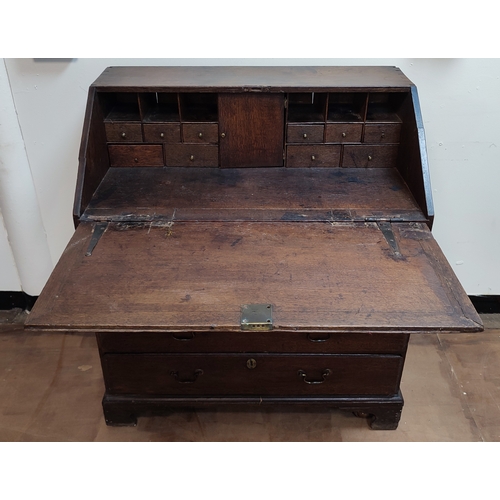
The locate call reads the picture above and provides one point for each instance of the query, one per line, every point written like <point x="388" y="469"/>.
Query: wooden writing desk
<point x="253" y="236"/>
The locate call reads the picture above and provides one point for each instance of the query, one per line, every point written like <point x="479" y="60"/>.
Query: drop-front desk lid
<point x="197" y="275"/>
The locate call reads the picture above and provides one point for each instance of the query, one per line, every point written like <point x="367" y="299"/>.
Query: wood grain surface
<point x="150" y="374"/>
<point x="251" y="130"/>
<point x="252" y="194"/>
<point x="193" y="276"/>
<point x="252" y="78"/>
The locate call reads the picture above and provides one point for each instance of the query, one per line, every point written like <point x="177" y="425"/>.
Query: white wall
<point x="9" y="279"/>
<point x="460" y="104"/>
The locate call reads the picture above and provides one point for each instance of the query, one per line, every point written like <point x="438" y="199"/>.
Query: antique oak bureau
<point x="253" y="236"/>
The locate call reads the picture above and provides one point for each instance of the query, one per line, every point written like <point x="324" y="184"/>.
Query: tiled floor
<point x="51" y="389"/>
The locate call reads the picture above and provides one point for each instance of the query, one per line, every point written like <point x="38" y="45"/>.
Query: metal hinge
<point x="98" y="231"/>
<point x="286" y="103"/>
<point x="257" y="317"/>
<point x="386" y="229"/>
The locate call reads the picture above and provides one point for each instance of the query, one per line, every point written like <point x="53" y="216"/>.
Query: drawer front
<point x="344" y="132"/>
<point x="382" y="133"/>
<point x="269" y="342"/>
<point x="321" y="155"/>
<point x="123" y="132"/>
<point x="191" y="155"/>
<point x="368" y="156"/>
<point x="163" y="132"/>
<point x="252" y="374"/>
<point x="202" y="133"/>
<point x="135" y="156"/>
<point x="304" y="133"/>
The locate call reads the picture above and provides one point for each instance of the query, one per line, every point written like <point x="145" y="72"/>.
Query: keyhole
<point x="251" y="364"/>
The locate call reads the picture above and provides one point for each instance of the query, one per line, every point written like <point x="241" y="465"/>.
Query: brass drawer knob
<point x="305" y="136"/>
<point x="200" y="135"/>
<point x="369" y="157"/>
<point x="343" y="134"/>
<point x="382" y="135"/>
<point x="251" y="364"/>
<point x="223" y="135"/>
<point x="124" y="135"/>
<point x="313" y="157"/>
<point x="191" y="157"/>
<point x="162" y="135"/>
<point x="136" y="160"/>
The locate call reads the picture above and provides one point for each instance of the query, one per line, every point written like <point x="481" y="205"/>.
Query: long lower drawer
<point x="251" y="374"/>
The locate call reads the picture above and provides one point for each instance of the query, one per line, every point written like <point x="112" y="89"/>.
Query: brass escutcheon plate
<point x="257" y="317"/>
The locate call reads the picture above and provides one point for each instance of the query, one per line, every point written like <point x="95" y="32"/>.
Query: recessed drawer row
<point x="158" y="155"/>
<point x="347" y="155"/>
<point x="198" y="155"/>
<point x="376" y="133"/>
<point x="170" y="133"/>
<point x="251" y="374"/>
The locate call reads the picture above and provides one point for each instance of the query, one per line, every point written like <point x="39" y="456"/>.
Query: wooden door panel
<point x="251" y="128"/>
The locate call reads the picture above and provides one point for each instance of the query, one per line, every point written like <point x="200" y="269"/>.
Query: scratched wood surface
<point x="194" y="276"/>
<point x="252" y="194"/>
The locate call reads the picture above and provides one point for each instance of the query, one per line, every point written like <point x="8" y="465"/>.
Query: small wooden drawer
<point x="251" y="374"/>
<point x="191" y="155"/>
<point x="382" y="133"/>
<point x="368" y="156"/>
<point x="135" y="156"/>
<point x="344" y="132"/>
<point x="320" y="155"/>
<point x="202" y="133"/>
<point x="162" y="132"/>
<point x="240" y="342"/>
<point x="123" y="132"/>
<point x="305" y="133"/>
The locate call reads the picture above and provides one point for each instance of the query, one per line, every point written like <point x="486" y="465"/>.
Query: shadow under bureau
<point x="253" y="236"/>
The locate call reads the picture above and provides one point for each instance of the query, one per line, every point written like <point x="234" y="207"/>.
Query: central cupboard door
<point x="251" y="130"/>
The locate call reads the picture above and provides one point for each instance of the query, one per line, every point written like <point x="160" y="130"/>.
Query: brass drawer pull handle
<point x="191" y="157"/>
<point x="321" y="339"/>
<point x="184" y="338"/>
<point x="223" y="135"/>
<point x="200" y="135"/>
<point x="343" y="134"/>
<point x="305" y="136"/>
<point x="196" y="374"/>
<point x="370" y="157"/>
<point x="303" y="375"/>
<point x="124" y="135"/>
<point x="162" y="135"/>
<point x="313" y="157"/>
